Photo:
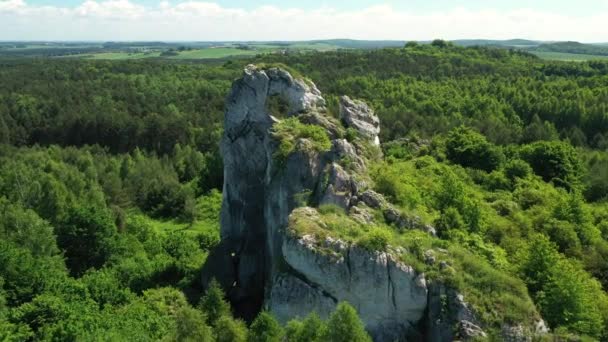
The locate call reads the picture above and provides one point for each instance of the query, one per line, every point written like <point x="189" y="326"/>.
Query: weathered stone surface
<point x="343" y="150"/>
<point x="361" y="215"/>
<point x="392" y="215"/>
<point x="358" y="115"/>
<point x="446" y="310"/>
<point x="373" y="199"/>
<point x="521" y="333"/>
<point x="257" y="195"/>
<point x="390" y="296"/>
<point x="292" y="297"/>
<point x="468" y="330"/>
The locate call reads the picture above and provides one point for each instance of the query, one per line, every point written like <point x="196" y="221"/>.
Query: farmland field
<point x="219" y="52"/>
<point x="561" y="56"/>
<point x="123" y="55"/>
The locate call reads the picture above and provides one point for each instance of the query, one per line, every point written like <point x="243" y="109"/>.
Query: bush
<point x="517" y="168"/>
<point x="344" y="325"/>
<point x="351" y="134"/>
<point x="288" y="131"/>
<point x="228" y="329"/>
<point x="554" y="161"/>
<point x="567" y="296"/>
<point x="471" y="149"/>
<point x="377" y="239"/>
<point x="213" y="304"/>
<point x="86" y="237"/>
<point x="265" y="328"/>
<point x="191" y="327"/>
<point x="326" y="209"/>
<point x="449" y="219"/>
<point x="309" y="330"/>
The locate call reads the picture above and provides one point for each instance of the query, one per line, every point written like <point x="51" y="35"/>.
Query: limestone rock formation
<point x="358" y="115"/>
<point x="390" y="296"/>
<point x="264" y="263"/>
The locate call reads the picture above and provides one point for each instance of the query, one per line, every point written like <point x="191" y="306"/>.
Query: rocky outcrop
<point x="358" y="115"/>
<point x="449" y="316"/>
<point x="262" y="263"/>
<point x="258" y="195"/>
<point x="390" y="296"/>
<point x="392" y="215"/>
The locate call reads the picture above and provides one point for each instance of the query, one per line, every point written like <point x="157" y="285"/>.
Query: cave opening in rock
<point x="277" y="106"/>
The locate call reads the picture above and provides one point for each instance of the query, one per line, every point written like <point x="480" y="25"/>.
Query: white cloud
<point x="11" y="5"/>
<point x="201" y="20"/>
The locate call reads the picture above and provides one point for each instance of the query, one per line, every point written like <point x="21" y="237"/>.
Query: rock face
<point x="263" y="265"/>
<point x="256" y="198"/>
<point x="390" y="296"/>
<point x="358" y="115"/>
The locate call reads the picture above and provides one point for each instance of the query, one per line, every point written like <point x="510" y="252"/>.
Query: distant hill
<point x="574" y="48"/>
<point x="503" y="43"/>
<point x="362" y="44"/>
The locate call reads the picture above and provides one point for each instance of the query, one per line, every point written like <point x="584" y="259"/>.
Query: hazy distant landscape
<point x="566" y="51"/>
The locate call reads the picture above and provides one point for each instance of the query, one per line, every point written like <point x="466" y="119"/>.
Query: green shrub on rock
<point x="288" y="133"/>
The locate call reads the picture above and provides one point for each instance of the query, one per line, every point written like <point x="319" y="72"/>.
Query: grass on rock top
<point x="495" y="295"/>
<point x="293" y="135"/>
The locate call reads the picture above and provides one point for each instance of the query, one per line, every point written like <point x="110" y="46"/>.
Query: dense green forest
<point x="110" y="185"/>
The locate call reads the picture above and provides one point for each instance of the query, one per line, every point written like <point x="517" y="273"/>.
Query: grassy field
<point x="210" y="53"/>
<point x="560" y="56"/>
<point x="173" y="226"/>
<point x="220" y="52"/>
<point x="140" y="51"/>
<point x="313" y="46"/>
<point x="123" y="55"/>
<point x="47" y="46"/>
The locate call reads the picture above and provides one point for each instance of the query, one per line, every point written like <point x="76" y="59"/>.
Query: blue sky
<point x="582" y="20"/>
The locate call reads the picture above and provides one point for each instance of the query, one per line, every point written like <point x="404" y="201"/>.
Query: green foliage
<point x="539" y="130"/>
<point x="228" y="329"/>
<point x="311" y="329"/>
<point x="344" y="325"/>
<point x="567" y="296"/>
<point x="191" y="326"/>
<point x="554" y="161"/>
<point x="597" y="178"/>
<point x="471" y="149"/>
<point x="517" y="169"/>
<point x="327" y="209"/>
<point x="277" y="106"/>
<point x="450" y="219"/>
<point x="376" y="239"/>
<point x="288" y="133"/>
<point x="572" y="300"/>
<point x="86" y="237"/>
<point x="26" y="229"/>
<point x="265" y="328"/>
<point x="394" y="183"/>
<point x="351" y="134"/>
<point x="303" y="198"/>
<point x="214" y="304"/>
<point x="452" y="196"/>
<point x="105" y="289"/>
<point x="26" y="275"/>
<point x="133" y="204"/>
